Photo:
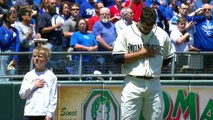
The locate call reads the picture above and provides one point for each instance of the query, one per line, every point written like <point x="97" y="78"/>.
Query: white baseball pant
<point x="141" y="96"/>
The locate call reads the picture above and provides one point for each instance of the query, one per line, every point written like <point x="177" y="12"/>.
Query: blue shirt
<point x="9" y="40"/>
<point x="85" y="39"/>
<point x="107" y="32"/>
<point x="86" y="10"/>
<point x="149" y="2"/>
<point x="169" y="13"/>
<point x="80" y="1"/>
<point x="203" y="38"/>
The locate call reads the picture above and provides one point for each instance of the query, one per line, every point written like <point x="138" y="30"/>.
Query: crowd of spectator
<point x="93" y="25"/>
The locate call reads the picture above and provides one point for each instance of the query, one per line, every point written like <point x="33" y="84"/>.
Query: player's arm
<point x="145" y="52"/>
<point x="126" y="58"/>
<point x="118" y="58"/>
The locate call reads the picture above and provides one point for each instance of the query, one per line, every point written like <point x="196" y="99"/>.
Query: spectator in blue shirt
<point x="9" y="42"/>
<point x="105" y="34"/>
<point x="87" y="9"/>
<point x="104" y="31"/>
<point x="204" y="29"/>
<point x="199" y="3"/>
<point x="84" y="41"/>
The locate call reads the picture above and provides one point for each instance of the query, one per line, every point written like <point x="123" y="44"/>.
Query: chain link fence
<point x="89" y="66"/>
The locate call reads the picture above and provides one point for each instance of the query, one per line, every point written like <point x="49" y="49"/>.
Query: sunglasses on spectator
<point x="206" y="9"/>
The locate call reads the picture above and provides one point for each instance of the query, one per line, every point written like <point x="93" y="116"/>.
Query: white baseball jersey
<point x="131" y="40"/>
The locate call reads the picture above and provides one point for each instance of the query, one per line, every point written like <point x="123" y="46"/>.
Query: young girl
<point x="39" y="88"/>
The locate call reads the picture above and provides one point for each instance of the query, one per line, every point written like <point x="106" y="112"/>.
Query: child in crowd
<point x="181" y="38"/>
<point x="39" y="88"/>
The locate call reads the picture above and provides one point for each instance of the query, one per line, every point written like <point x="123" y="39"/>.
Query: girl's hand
<point x="39" y="83"/>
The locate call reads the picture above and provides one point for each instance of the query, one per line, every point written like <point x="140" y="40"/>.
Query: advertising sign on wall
<point x="102" y="102"/>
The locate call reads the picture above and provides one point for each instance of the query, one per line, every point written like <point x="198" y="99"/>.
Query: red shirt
<point x="114" y="11"/>
<point x="92" y="21"/>
<point x="136" y="8"/>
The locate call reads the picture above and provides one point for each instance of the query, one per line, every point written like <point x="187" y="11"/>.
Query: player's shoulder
<point x="160" y="31"/>
<point x="130" y="28"/>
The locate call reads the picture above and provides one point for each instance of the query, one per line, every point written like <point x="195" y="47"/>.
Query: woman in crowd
<point x="9" y="42"/>
<point x="84" y="41"/>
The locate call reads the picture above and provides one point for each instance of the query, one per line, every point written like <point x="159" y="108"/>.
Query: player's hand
<point x="39" y="83"/>
<point x="148" y="52"/>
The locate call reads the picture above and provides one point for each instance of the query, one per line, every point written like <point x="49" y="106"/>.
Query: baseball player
<point x="143" y="48"/>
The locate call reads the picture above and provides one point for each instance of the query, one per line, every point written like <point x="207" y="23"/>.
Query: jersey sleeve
<point x="120" y="46"/>
<point x="169" y="50"/>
